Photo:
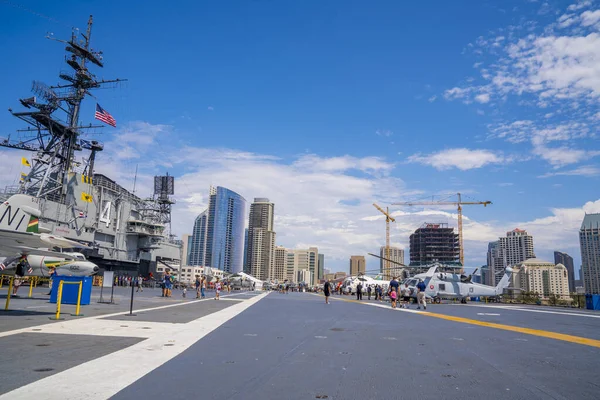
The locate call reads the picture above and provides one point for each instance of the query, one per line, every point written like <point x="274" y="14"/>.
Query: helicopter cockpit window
<point x="442" y="286"/>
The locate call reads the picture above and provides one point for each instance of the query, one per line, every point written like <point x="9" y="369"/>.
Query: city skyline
<point x="484" y="125"/>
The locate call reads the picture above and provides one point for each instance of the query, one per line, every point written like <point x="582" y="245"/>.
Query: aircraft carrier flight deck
<point x="270" y="345"/>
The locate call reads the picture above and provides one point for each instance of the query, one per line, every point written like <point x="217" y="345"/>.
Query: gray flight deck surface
<point x="293" y="346"/>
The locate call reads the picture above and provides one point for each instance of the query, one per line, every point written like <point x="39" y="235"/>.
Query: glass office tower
<point x="225" y="230"/>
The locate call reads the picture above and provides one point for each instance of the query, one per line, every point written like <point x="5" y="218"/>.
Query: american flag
<point x="81" y="214"/>
<point x="104" y="116"/>
<point x="2" y="267"/>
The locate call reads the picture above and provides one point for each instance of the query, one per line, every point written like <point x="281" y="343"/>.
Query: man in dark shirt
<point x="359" y="288"/>
<point x="421" y="295"/>
<point x="327" y="291"/>
<point x="394" y="284"/>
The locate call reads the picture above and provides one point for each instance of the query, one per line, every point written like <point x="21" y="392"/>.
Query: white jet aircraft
<point x="23" y="245"/>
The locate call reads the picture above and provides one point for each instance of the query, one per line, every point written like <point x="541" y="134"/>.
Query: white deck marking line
<point x="111" y="327"/>
<point x="122" y="368"/>
<point x="68" y="323"/>
<point x="576" y="314"/>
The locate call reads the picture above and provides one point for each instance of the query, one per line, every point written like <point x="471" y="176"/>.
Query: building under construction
<point x="434" y="243"/>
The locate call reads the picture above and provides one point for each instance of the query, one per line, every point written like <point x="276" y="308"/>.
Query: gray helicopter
<point x="440" y="283"/>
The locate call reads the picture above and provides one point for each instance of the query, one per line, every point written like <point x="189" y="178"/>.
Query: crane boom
<point x="388" y="219"/>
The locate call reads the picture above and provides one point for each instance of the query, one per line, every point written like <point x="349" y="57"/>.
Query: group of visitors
<point x="395" y="292"/>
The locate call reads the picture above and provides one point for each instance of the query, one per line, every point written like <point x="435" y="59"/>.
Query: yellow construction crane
<point x="459" y="205"/>
<point x="388" y="219"/>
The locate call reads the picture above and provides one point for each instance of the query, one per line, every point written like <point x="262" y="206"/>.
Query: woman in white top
<point x="217" y="289"/>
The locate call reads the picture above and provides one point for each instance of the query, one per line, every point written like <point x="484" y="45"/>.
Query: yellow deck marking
<point x="527" y="331"/>
<point x="511" y="328"/>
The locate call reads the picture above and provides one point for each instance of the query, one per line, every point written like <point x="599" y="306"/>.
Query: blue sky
<point x="327" y="107"/>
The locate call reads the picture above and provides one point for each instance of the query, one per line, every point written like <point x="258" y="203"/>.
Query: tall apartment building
<point x="197" y="250"/>
<point x="260" y="249"/>
<point x="394" y="254"/>
<point x="567" y="261"/>
<point x="358" y="265"/>
<point x="185" y="250"/>
<point x="218" y="236"/>
<point x="321" y="267"/>
<point x="434" y="243"/>
<point x="516" y="247"/>
<point x="279" y="264"/>
<point x="298" y="260"/>
<point x="291" y="268"/>
<point x="589" y="243"/>
<point x="543" y="277"/>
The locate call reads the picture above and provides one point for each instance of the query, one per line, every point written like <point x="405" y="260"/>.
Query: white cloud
<point x="561" y="156"/>
<point x="211" y="108"/>
<point x="579" y="5"/>
<point x="457" y="93"/>
<point x="567" y="20"/>
<point x="461" y="158"/>
<point x="482" y="98"/>
<point x="140" y="133"/>
<point x="585" y="170"/>
<point x="384" y="132"/>
<point x="311" y="162"/>
<point x="589" y="18"/>
<point x="432" y="98"/>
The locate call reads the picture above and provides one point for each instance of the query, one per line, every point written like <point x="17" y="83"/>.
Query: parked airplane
<point x="23" y="245"/>
<point x="440" y="284"/>
<point x="352" y="282"/>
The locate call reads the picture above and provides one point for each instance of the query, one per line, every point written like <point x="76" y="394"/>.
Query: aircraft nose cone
<point x="96" y="268"/>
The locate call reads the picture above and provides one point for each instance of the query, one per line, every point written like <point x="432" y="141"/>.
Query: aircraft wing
<point x="26" y="243"/>
<point x="59" y="241"/>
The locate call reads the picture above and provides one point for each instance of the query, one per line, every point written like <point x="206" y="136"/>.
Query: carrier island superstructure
<point x="129" y="234"/>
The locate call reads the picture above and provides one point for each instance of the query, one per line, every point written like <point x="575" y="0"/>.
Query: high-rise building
<point x="218" y="236"/>
<point x="589" y="243"/>
<point x="279" y="264"/>
<point x="304" y="276"/>
<point x="262" y="258"/>
<point x="434" y="243"/>
<point x="197" y="250"/>
<point x="321" y="267"/>
<point x="358" y="265"/>
<point x="291" y="269"/>
<point x="185" y="249"/>
<point x="567" y="261"/>
<point x="394" y="254"/>
<point x="260" y="247"/>
<point x="516" y="247"/>
<point x="543" y="277"/>
<point x="495" y="262"/>
<point x="298" y="260"/>
<point x="246" y="267"/>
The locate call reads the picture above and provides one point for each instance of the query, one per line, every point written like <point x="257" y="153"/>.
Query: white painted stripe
<point x="109" y="327"/>
<point x="106" y="376"/>
<point x="67" y="324"/>
<point x="518" y="308"/>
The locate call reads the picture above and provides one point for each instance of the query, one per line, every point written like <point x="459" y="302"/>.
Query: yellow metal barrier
<point x="10" y="287"/>
<point x="59" y="298"/>
<point x="31" y="279"/>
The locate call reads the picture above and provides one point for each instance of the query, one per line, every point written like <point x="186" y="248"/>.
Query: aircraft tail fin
<point x="504" y="282"/>
<point x="19" y="214"/>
